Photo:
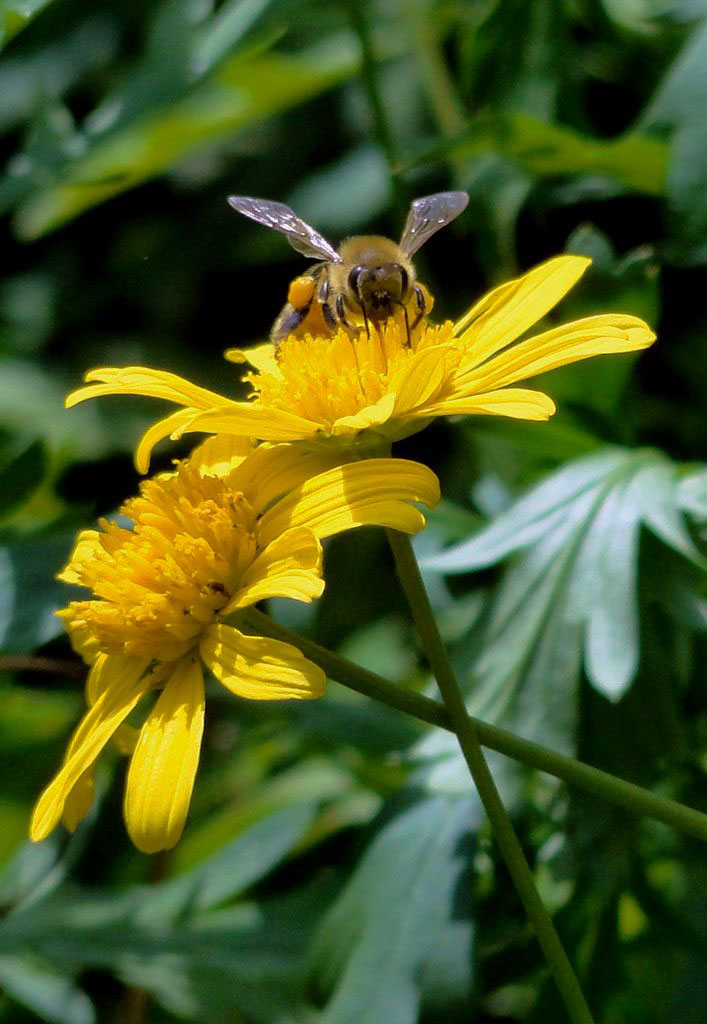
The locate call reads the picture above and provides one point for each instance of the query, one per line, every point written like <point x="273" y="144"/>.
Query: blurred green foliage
<point x="336" y="865"/>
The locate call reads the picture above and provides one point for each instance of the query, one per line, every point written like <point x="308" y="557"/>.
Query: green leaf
<point x="687" y="194"/>
<point x="543" y="149"/>
<point x="32" y="405"/>
<point x="378" y="937"/>
<point x="346" y="194"/>
<point x="559" y="441"/>
<point x="382" y="646"/>
<point x="244" y="963"/>
<point x="532" y="74"/>
<point x="208" y="966"/>
<point x="235" y="867"/>
<point x="51" y="995"/>
<point x="498" y="190"/>
<point x="34" y="718"/>
<point x="224" y="30"/>
<point x="30" y="864"/>
<point x="225" y="975"/>
<point x="610" y="555"/>
<point x="522" y="663"/>
<point x="29" y="594"/>
<point x="243" y="91"/>
<point x="311" y="780"/>
<point x="663" y="495"/>
<point x="199" y="962"/>
<point x="681" y="93"/>
<point x="679" y="105"/>
<point x="16" y="16"/>
<point x="529" y="518"/>
<point x="573" y="588"/>
<point x="692" y="495"/>
<point x="22" y="476"/>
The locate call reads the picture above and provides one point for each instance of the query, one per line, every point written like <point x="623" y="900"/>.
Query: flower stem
<point x="630" y="797"/>
<point x="509" y="845"/>
<point x="627" y="795"/>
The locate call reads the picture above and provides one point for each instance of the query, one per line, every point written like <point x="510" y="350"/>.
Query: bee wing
<point x="281" y="218"/>
<point x="429" y="214"/>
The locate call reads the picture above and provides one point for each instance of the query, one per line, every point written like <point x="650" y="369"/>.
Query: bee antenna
<point x="365" y="320"/>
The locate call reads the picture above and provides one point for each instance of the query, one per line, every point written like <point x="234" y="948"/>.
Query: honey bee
<point x="367" y="278"/>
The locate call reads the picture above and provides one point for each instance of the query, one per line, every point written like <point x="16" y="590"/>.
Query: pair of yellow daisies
<point x="236" y="524"/>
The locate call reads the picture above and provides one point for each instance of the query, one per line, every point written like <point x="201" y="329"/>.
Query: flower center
<point x="326" y="378"/>
<point x="161" y="583"/>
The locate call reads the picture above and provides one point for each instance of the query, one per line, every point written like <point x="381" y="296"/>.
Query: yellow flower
<point x="358" y="391"/>
<point x="207" y="541"/>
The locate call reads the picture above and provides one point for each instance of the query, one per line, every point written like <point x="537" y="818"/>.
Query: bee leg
<point x="328" y="316"/>
<point x="288" y="322"/>
<point x="407" y="323"/>
<point x="421" y="306"/>
<point x="341" y="312"/>
<point x="323" y="293"/>
<point x="339" y="301"/>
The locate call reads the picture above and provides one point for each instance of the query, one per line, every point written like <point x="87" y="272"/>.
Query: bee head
<point x="378" y="288"/>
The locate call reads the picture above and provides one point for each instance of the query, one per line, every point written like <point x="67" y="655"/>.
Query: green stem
<point x="608" y="787"/>
<point x="506" y="838"/>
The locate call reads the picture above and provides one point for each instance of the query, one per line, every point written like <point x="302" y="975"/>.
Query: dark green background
<point x="336" y="867"/>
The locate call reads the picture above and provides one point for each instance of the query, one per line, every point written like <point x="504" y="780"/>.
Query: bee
<point x="367" y="278"/>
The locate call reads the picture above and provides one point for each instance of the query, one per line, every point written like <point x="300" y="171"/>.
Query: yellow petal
<point x="392" y="514"/>
<point x="274" y="469"/>
<point x="107" y="669"/>
<point x="421" y="378"/>
<point x="125" y="736"/>
<point x="491" y="300"/>
<point x="370" y="492"/>
<point x="166" y="427"/>
<point x="219" y="455"/>
<point x="122" y="686"/>
<point x="99" y="676"/>
<point x="82" y="637"/>
<point x="143" y="380"/>
<point x="262" y="357"/>
<point x="163" y="768"/>
<point x="592" y="336"/>
<point x="260" y="668"/>
<point x="85" y="548"/>
<point x="369" y="416"/>
<point x="246" y="419"/>
<point x="503" y="315"/>
<point x="289" y="567"/>
<point x="518" y="403"/>
<point x="80" y="800"/>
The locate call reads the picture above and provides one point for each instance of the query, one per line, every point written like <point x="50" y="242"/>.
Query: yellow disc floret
<point x="360" y="387"/>
<point x="324" y="379"/>
<point x="159" y="584"/>
<point x="171" y="594"/>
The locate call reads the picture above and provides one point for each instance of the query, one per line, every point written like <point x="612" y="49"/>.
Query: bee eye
<point x="404" y="280"/>
<point x="354" y="277"/>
